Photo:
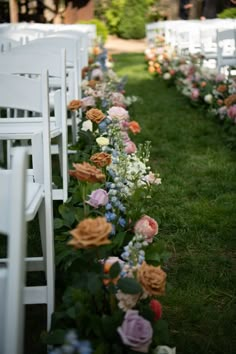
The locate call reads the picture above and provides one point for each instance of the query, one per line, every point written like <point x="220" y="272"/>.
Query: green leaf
<point x="114" y="270"/>
<point x="119" y="239"/>
<point x="71" y="312"/>
<point x="58" y="223"/>
<point x="94" y="283"/>
<point x="67" y="213"/>
<point x="152" y="255"/>
<point x="55" y="337"/>
<point x="129" y="286"/>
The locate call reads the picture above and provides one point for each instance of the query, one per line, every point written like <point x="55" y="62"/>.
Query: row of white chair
<point x="37" y="80"/>
<point x="215" y="40"/>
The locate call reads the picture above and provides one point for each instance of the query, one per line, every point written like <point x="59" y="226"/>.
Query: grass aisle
<point x="196" y="210"/>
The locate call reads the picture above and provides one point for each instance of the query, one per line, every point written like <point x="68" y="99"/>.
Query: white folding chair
<point x="12" y="275"/>
<point x="32" y="94"/>
<point x="226" y="48"/>
<point x="32" y="65"/>
<point x="73" y="67"/>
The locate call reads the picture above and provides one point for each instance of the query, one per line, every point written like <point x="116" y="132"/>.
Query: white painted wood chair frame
<point x="73" y="66"/>
<point x="12" y="276"/>
<point x="33" y="64"/>
<point x="32" y="94"/>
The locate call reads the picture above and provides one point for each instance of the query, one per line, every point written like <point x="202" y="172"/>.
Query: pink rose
<point x="88" y="101"/>
<point x="97" y="74"/>
<point x="152" y="179"/>
<point x="117" y="99"/>
<point x="99" y="197"/>
<point x="146" y="227"/>
<point x="231" y="111"/>
<point x="118" y="113"/>
<point x="195" y="94"/>
<point x="130" y="147"/>
<point x="220" y="77"/>
<point x="136" y="332"/>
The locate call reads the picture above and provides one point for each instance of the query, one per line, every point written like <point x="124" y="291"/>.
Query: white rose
<point x="163" y="349"/>
<point x="102" y="141"/>
<point x="208" y="98"/>
<point x="166" y="76"/>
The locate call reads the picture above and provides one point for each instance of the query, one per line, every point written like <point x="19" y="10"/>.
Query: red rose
<point x="156" y="308"/>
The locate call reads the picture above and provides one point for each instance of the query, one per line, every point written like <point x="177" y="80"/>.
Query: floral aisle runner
<point x="109" y="261"/>
<point x="212" y="91"/>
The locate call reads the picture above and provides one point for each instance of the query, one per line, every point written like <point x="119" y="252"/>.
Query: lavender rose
<point x="99" y="197"/>
<point x="136" y="332"/>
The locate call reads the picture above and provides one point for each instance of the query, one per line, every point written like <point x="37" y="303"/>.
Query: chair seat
<point x="23" y="128"/>
<point x="34" y="196"/>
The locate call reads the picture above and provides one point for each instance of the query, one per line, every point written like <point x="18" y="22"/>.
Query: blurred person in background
<point x="184" y="9"/>
<point x="210" y="8"/>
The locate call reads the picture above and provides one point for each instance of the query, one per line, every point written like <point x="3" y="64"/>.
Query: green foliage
<point x="228" y="13"/>
<point x="102" y="31"/>
<point x="113" y="15"/>
<point x="132" y="22"/>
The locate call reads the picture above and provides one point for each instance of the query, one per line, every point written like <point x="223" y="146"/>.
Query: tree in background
<point x="132" y="22"/>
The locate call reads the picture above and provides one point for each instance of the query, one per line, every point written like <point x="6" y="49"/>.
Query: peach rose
<point x="91" y="233"/>
<point x="101" y="159"/>
<point x="107" y="266"/>
<point x="86" y="172"/>
<point x="229" y="101"/>
<point x="93" y="83"/>
<point x="152" y="279"/>
<point x="221" y="88"/>
<point x="134" y="127"/>
<point x="95" y="115"/>
<point x="74" y="105"/>
<point x="146" y="227"/>
<point x="151" y="69"/>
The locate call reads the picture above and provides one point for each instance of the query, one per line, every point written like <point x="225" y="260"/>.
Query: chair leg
<point x="37" y="153"/>
<point x="74" y="128"/>
<point x="63" y="158"/>
<point x="48" y="255"/>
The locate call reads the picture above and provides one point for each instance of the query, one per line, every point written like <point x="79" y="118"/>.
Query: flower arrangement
<point x="111" y="263"/>
<point x="204" y="87"/>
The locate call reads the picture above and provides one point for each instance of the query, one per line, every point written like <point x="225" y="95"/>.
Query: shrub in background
<point x="102" y="30"/>
<point x="132" y="22"/>
<point x="228" y="13"/>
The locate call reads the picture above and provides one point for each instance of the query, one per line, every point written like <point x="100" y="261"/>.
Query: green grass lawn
<point x="196" y="210"/>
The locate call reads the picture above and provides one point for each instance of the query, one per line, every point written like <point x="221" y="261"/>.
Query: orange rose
<point x="152" y="279"/>
<point x="93" y="83"/>
<point x="84" y="71"/>
<point x="151" y="69"/>
<point x="96" y="50"/>
<point x="74" y="105"/>
<point x="107" y="266"/>
<point x="203" y="84"/>
<point x="229" y="101"/>
<point x="220" y="102"/>
<point x="101" y="159"/>
<point x="221" y="88"/>
<point x="86" y="172"/>
<point x="134" y="127"/>
<point x="91" y="233"/>
<point x="95" y="115"/>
